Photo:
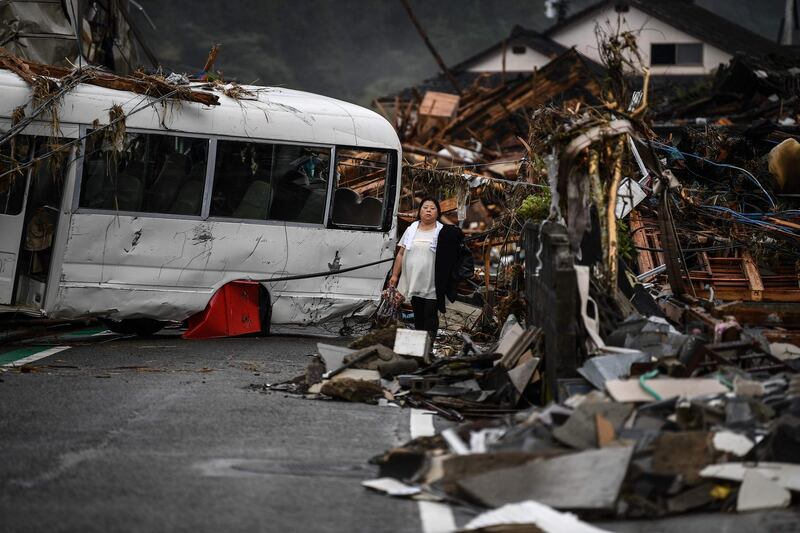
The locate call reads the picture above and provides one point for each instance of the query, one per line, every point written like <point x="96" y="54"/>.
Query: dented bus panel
<point x="149" y="220"/>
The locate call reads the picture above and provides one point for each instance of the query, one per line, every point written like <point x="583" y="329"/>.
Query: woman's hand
<point x="393" y="281"/>
<point x="398" y="298"/>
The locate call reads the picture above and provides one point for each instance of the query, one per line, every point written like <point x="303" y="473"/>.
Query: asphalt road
<point x="163" y="434"/>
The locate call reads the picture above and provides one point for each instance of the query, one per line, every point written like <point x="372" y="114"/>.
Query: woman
<point x="424" y="267"/>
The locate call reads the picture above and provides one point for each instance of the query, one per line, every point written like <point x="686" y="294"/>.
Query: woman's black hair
<point x="435" y="202"/>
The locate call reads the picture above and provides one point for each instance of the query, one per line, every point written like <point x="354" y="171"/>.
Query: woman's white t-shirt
<point x="419" y="262"/>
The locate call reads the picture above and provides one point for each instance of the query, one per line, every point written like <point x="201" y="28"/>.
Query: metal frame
<point x="388" y="187"/>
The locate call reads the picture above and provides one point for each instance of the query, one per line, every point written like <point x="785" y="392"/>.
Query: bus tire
<point x="143" y="327"/>
<point x="264" y="309"/>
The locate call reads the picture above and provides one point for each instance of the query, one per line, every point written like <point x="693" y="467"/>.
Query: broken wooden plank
<point x="753" y="277"/>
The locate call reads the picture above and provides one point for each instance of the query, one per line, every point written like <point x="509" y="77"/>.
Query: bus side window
<point x="300" y="179"/>
<point x="12" y="179"/>
<point x="242" y="180"/>
<point x="361" y="177"/>
<point x="260" y="181"/>
<point x="148" y="173"/>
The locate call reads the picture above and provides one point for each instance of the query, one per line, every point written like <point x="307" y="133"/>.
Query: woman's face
<point x="428" y="212"/>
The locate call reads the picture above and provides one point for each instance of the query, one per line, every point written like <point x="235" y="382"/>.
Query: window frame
<point x="26" y="177"/>
<point x="390" y="186"/>
<point x="389" y="190"/>
<point x="269" y="222"/>
<point x="675" y="47"/>
<point x="76" y="197"/>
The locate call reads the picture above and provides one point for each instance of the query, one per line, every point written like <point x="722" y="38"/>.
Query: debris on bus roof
<point x="59" y="79"/>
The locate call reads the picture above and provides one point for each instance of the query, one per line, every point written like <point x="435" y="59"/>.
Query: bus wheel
<point x="144" y="327"/>
<point x="264" y="309"/>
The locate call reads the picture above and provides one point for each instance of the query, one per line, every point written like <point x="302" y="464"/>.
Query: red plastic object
<point x="232" y="311"/>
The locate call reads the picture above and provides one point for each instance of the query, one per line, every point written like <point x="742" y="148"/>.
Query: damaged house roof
<point x="519" y="37"/>
<point x="475" y="71"/>
<point x="685" y="16"/>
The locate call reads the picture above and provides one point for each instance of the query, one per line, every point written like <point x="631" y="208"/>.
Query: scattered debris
<point x="650" y="369"/>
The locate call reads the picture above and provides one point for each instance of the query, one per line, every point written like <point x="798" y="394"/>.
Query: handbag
<point x="389" y="309"/>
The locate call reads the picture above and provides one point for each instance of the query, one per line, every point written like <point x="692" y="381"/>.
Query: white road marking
<point x="435" y="517"/>
<point x="37" y="356"/>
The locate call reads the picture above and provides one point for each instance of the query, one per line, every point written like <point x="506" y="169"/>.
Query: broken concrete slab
<point x="758" y="493"/>
<point x="457" y="467"/>
<point x="597" y="370"/>
<point x="521" y="375"/>
<point x="561" y="482"/>
<point x="693" y="498"/>
<point x="631" y="391"/>
<point x="371" y="357"/>
<point x="333" y="355"/>
<point x="508" y="338"/>
<point x="730" y="442"/>
<point x="785" y="475"/>
<point x="748" y="388"/>
<point x="511" y="356"/>
<point x="580" y="430"/>
<point x="412" y="342"/>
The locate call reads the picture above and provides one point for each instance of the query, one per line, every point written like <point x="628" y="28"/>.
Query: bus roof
<point x="268" y="113"/>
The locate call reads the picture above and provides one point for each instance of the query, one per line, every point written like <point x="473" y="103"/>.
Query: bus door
<point x="14" y="155"/>
<point x="33" y="170"/>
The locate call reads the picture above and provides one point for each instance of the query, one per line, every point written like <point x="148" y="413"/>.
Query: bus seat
<point x="123" y="190"/>
<point x="165" y="188"/>
<point x="345" y="205"/>
<point x="370" y="211"/>
<point x="255" y="203"/>
<point x="314" y="208"/>
<point x="129" y="193"/>
<point x="189" y="200"/>
<point x="94" y="181"/>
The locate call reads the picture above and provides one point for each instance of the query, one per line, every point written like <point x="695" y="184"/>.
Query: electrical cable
<point x="320" y="274"/>
<point x="672" y="149"/>
<point x="643" y="378"/>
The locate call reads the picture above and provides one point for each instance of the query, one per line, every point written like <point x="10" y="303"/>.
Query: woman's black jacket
<point x="448" y="258"/>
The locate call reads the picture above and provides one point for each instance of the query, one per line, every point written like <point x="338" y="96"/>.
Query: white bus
<point x="142" y="225"/>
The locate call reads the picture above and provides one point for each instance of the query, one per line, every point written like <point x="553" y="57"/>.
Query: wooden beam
<point x="138" y="82"/>
<point x="643" y="257"/>
<point x="753" y="277"/>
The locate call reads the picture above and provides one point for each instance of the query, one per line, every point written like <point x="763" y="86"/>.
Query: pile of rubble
<point x="637" y="448"/>
<point x="658" y="343"/>
<point x="666" y="422"/>
<point x="402" y="367"/>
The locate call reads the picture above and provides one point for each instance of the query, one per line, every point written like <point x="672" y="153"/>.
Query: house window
<point x="518" y="49"/>
<point x="676" y="54"/>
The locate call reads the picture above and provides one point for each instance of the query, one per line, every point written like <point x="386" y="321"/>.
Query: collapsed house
<point x="655" y="340"/>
